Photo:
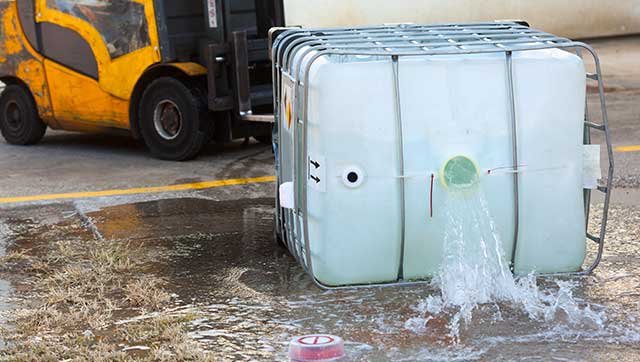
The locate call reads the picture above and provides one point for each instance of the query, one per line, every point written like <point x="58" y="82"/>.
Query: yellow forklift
<point x="175" y="74"/>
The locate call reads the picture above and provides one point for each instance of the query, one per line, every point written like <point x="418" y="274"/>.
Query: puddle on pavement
<point x="250" y="297"/>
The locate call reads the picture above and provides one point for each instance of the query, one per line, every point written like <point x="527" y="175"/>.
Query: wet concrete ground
<point x="215" y="250"/>
<point x="250" y="297"/>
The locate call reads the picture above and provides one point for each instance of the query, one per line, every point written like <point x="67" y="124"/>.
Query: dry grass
<point x="164" y="336"/>
<point x="66" y="349"/>
<point x="114" y="258"/>
<point x="169" y="340"/>
<point x="14" y="257"/>
<point x="146" y="293"/>
<point x="77" y="290"/>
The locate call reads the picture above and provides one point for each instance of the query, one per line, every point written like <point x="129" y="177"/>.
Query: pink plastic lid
<point x="316" y="347"/>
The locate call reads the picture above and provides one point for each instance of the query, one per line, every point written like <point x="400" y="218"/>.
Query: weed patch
<point x="78" y="290"/>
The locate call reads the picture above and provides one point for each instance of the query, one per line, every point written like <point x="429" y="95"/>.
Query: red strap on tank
<point x="431" y="196"/>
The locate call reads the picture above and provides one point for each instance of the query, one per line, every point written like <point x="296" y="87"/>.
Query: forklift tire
<point x="174" y="121"/>
<point x="19" y="120"/>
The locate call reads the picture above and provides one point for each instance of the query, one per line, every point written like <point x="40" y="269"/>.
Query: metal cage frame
<point x="407" y="40"/>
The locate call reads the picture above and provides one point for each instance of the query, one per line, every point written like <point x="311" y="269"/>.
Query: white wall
<point x="571" y="18"/>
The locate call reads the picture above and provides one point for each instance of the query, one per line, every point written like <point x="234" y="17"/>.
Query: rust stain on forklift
<point x="76" y="101"/>
<point x="89" y="63"/>
<point x="18" y="60"/>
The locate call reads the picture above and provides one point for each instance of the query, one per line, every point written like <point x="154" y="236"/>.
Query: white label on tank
<point x="213" y="14"/>
<point x="288" y="103"/>
<point x="317" y="173"/>
<point x="592" y="171"/>
<point x="286" y="195"/>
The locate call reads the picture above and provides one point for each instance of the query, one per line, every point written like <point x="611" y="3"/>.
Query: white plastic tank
<point x="389" y="139"/>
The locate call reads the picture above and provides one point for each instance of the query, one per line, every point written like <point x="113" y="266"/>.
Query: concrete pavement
<point x="227" y="285"/>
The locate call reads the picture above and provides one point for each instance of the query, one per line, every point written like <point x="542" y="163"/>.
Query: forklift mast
<point x="230" y="39"/>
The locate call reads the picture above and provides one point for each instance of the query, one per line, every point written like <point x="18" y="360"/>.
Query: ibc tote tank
<point x="377" y="125"/>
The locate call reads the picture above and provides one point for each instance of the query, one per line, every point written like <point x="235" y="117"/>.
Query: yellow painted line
<point x="180" y="187"/>
<point x="623" y="149"/>
<point x="141" y="190"/>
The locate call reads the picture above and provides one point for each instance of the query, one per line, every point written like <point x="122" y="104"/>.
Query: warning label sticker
<point x="592" y="172"/>
<point x="287" y="105"/>
<point x="317" y="173"/>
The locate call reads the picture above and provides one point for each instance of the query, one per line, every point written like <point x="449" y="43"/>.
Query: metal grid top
<point x="413" y="39"/>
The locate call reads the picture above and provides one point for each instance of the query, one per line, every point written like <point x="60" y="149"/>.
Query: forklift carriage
<point x="176" y="74"/>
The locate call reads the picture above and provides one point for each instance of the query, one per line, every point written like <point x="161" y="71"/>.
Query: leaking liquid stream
<point x="475" y="272"/>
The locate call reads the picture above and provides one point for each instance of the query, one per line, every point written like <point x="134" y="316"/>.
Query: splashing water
<point x="475" y="272"/>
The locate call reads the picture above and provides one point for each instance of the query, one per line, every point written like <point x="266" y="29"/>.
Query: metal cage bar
<point x="514" y="151"/>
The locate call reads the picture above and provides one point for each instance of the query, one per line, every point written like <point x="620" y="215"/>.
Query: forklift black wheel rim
<point x="167" y="119"/>
<point x="13" y="115"/>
